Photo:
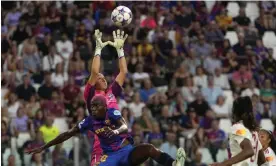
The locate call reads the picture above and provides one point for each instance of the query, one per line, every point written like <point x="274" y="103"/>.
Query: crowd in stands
<point x="181" y="67"/>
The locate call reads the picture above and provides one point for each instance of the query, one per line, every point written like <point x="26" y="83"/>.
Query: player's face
<point x="264" y="138"/>
<point x="101" y="83"/>
<point x="97" y="110"/>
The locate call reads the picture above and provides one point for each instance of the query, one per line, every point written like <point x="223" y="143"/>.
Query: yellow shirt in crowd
<point x="49" y="133"/>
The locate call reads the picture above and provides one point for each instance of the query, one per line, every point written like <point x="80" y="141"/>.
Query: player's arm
<point x="96" y="62"/>
<point x="261" y="157"/>
<point x="122" y="128"/>
<point x="247" y="152"/>
<point x="119" y="40"/>
<point x="59" y="139"/>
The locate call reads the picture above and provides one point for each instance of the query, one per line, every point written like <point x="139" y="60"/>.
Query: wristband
<point x="116" y="132"/>
<point x="98" y="52"/>
<point x="120" y="53"/>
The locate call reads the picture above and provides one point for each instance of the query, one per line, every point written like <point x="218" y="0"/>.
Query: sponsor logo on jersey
<point x="241" y="132"/>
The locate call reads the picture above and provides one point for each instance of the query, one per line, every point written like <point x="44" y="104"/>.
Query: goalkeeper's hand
<point x="99" y="44"/>
<point x="119" y="40"/>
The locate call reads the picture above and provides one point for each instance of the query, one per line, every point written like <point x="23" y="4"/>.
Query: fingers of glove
<point x="114" y="35"/>
<point x="118" y="33"/>
<point x="122" y="34"/>
<point x="104" y="44"/>
<point x="125" y="37"/>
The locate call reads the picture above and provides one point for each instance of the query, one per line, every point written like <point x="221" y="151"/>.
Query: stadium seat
<point x="232" y="36"/>
<point x="172" y="37"/>
<point x="274" y="52"/>
<point x="267" y="124"/>
<point x="61" y="124"/>
<point x="233" y="9"/>
<point x="206" y="156"/>
<point x="6" y="155"/>
<point x="209" y="5"/>
<point x="269" y="39"/>
<point x="228" y="94"/>
<point x="225" y="125"/>
<point x="252" y="11"/>
<point x="222" y="155"/>
<point x="36" y="86"/>
<point x="22" y="138"/>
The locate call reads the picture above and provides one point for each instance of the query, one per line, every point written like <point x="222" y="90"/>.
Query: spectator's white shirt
<point x="189" y="93"/>
<point x="221" y="110"/>
<point x="139" y="76"/>
<point x="12" y="110"/>
<point x="136" y="108"/>
<point x="222" y="81"/>
<point x="250" y="92"/>
<point x="168" y="148"/>
<point x="59" y="80"/>
<point x="65" y="49"/>
<point x="270" y="157"/>
<point x="51" y="62"/>
<point x="121" y="104"/>
<point x="4" y="92"/>
<point x="210" y="64"/>
<point x="201" y="81"/>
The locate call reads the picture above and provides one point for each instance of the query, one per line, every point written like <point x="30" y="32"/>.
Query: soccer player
<point x="245" y="147"/>
<point x="268" y="143"/>
<point x="98" y="85"/>
<point x="109" y="125"/>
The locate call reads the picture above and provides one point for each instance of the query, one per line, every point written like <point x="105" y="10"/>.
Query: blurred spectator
<point x="147" y="91"/>
<point x="156" y="137"/>
<point x="242" y="77"/>
<point x="211" y="92"/>
<point x="200" y="79"/>
<point x="239" y="48"/>
<point x="20" y="123"/>
<point x="215" y="137"/>
<point x="164" y="46"/>
<point x="137" y="105"/>
<point x="11" y="160"/>
<point x="230" y="63"/>
<point x="55" y="106"/>
<point x="214" y="34"/>
<point x="242" y="19"/>
<point x="269" y="64"/>
<point x="198" y="159"/>
<point x="59" y="155"/>
<point x="158" y="77"/>
<point x="221" y="80"/>
<point x="38" y="160"/>
<point x="22" y="32"/>
<point x="13" y="105"/>
<point x="192" y="61"/>
<point x="49" y="132"/>
<point x="12" y="18"/>
<point x="89" y="22"/>
<point x="189" y="122"/>
<point x="267" y="93"/>
<point x="224" y="21"/>
<point x="212" y="62"/>
<point x="178" y="107"/>
<point x="251" y="90"/>
<point x="46" y="89"/>
<point x="145" y="120"/>
<point x="181" y="74"/>
<point x="65" y="49"/>
<point x="149" y="22"/>
<point x="221" y="108"/>
<point x="50" y="61"/>
<point x="70" y="90"/>
<point x="59" y="77"/>
<point x="260" y="49"/>
<point x="144" y="49"/>
<point x="173" y="63"/>
<point x="202" y="48"/>
<point x="189" y="90"/>
<point x="127" y="115"/>
<point x="169" y="146"/>
<point x="38" y="119"/>
<point x="5" y="137"/>
<point x="200" y="105"/>
<point x="25" y="90"/>
<point x="139" y="75"/>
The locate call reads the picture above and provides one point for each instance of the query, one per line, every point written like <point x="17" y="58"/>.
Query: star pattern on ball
<point x="114" y="18"/>
<point x="121" y="10"/>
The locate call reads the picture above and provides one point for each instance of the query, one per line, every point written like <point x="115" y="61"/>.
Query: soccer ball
<point x="121" y="16"/>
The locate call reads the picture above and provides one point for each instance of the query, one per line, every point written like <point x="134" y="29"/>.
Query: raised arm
<point x="59" y="139"/>
<point x="96" y="62"/>
<point x="119" y="40"/>
<point x="247" y="152"/>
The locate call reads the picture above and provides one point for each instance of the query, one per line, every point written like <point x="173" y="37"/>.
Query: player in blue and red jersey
<point x="109" y="125"/>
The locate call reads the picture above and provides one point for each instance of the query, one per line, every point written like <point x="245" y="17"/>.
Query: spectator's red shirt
<point x="242" y="78"/>
<point x="54" y="108"/>
<point x="70" y="92"/>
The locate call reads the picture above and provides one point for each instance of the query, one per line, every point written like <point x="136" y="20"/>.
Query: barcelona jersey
<point x="99" y="128"/>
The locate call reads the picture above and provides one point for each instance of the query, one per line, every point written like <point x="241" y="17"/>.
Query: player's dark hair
<point x="272" y="143"/>
<point x="243" y="111"/>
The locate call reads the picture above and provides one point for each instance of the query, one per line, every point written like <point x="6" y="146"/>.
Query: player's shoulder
<point x="239" y="129"/>
<point x="269" y="151"/>
<point x="113" y="111"/>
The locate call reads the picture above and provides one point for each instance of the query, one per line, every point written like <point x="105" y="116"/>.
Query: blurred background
<point x="187" y="62"/>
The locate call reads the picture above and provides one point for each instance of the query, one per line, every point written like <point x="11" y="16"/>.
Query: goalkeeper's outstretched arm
<point x="96" y="62"/>
<point x="119" y="40"/>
